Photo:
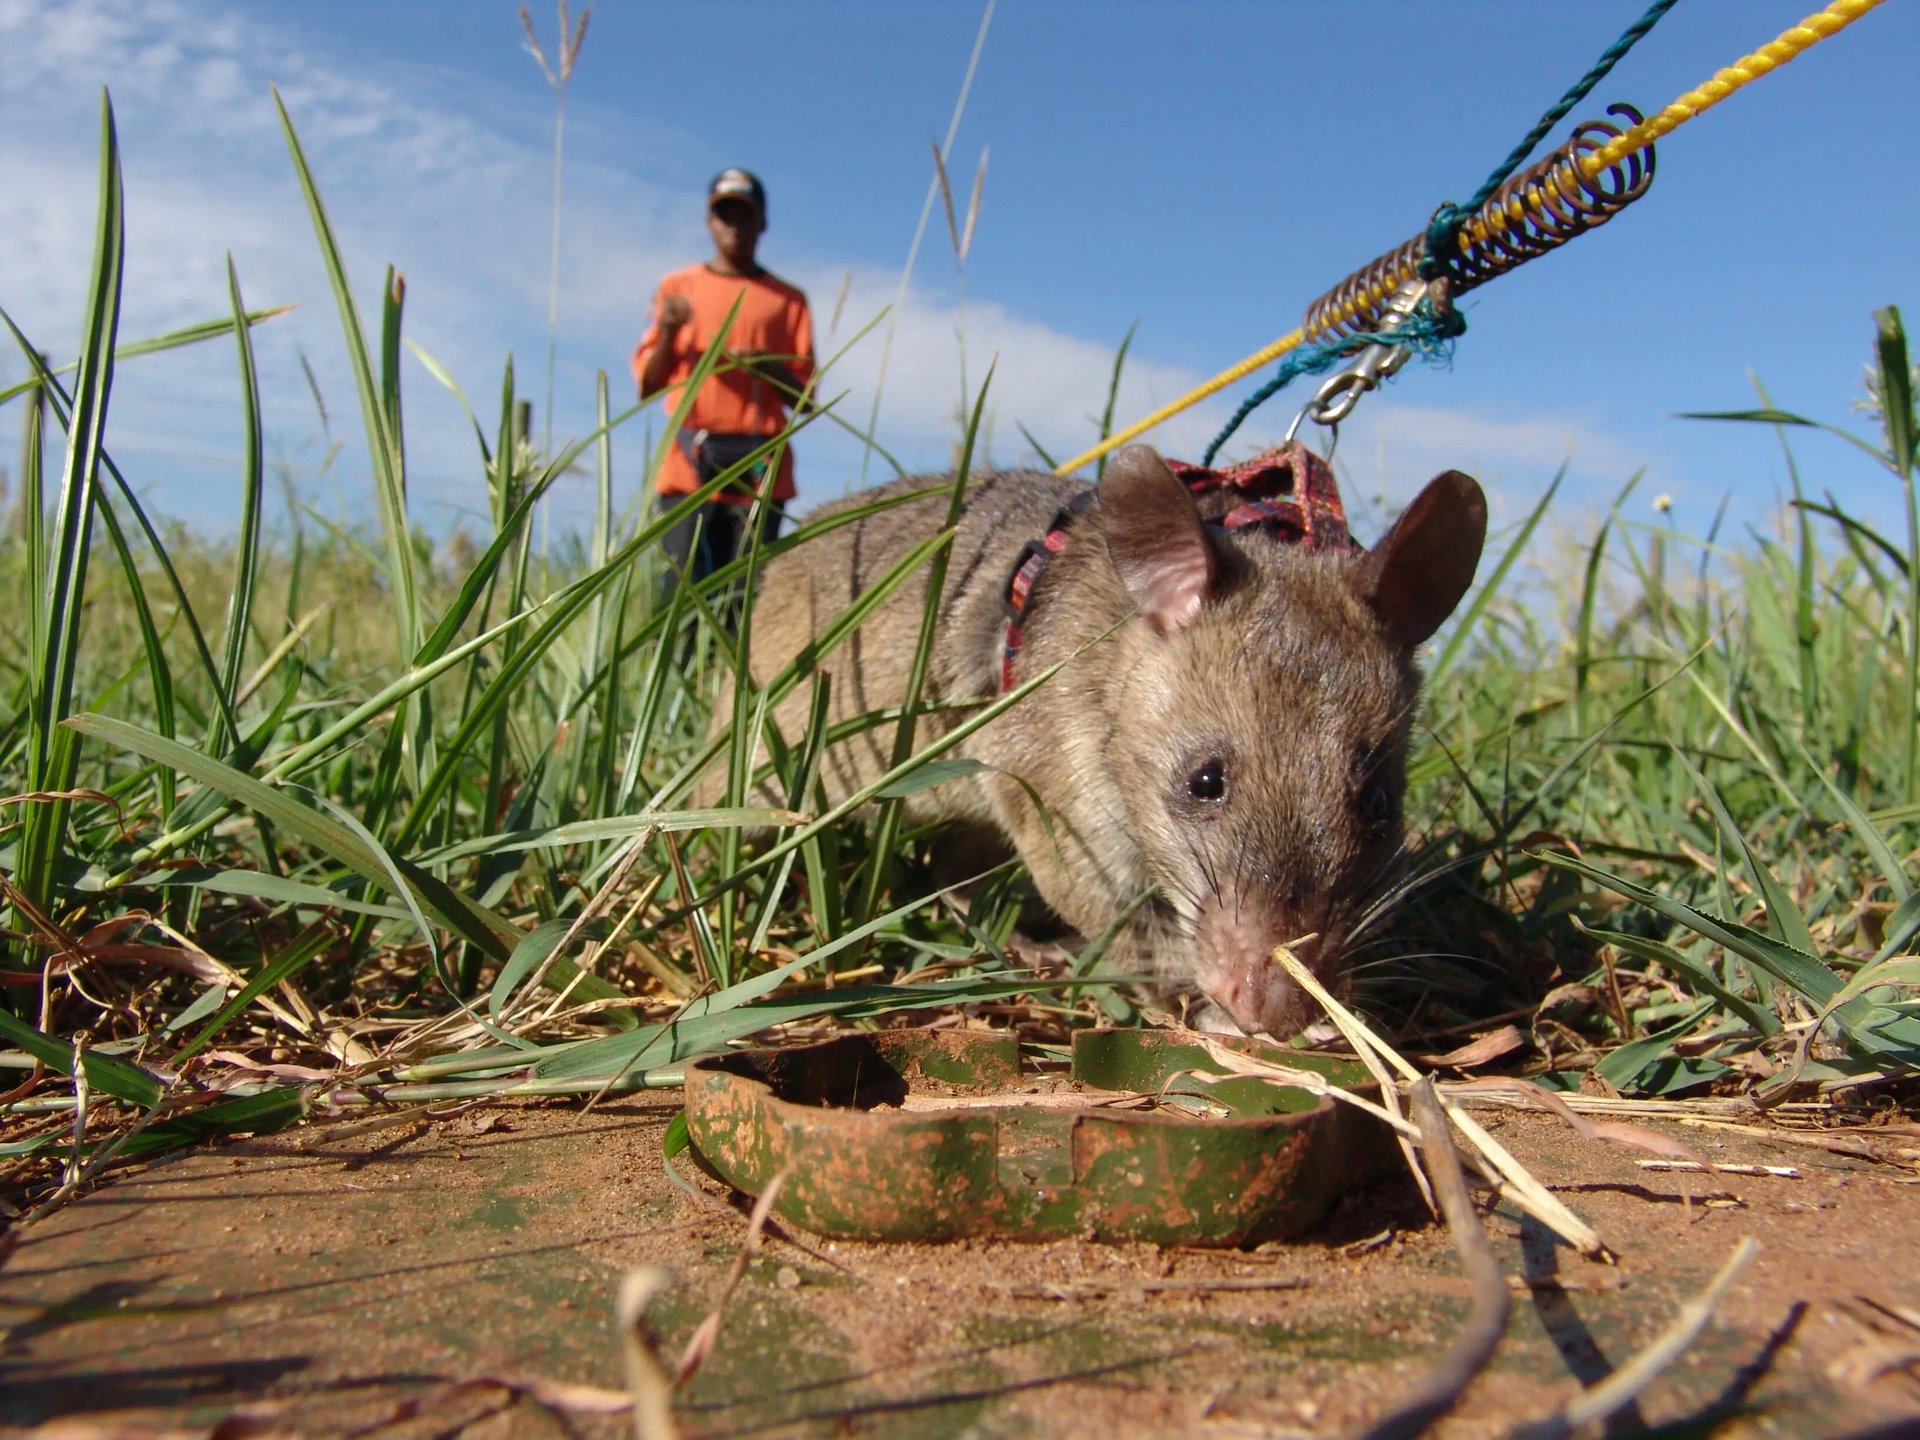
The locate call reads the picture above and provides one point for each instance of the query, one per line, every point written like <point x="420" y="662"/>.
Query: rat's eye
<point x="1374" y="791"/>
<point x="1208" y="781"/>
<point x="1375" y="804"/>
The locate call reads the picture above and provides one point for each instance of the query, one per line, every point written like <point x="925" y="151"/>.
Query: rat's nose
<point x="1261" y="997"/>
<point x="1258" y="997"/>
<point x="1234" y="964"/>
<point x="1230" y="994"/>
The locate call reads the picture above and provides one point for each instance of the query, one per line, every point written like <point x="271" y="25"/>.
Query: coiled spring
<point x="1537" y="210"/>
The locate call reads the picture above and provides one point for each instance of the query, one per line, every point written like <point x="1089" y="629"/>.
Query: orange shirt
<point x="772" y="319"/>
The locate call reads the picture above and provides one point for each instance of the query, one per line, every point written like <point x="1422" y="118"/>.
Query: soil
<point x="343" y="1285"/>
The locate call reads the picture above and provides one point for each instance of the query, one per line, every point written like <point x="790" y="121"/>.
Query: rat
<point x="1229" y="731"/>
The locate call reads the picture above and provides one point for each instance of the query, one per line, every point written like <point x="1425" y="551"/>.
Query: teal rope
<point x="1422" y="330"/>
<point x="1443" y="232"/>
<point x="1430" y="335"/>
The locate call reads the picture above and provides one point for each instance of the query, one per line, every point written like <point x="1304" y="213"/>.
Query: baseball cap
<point x="738" y="185"/>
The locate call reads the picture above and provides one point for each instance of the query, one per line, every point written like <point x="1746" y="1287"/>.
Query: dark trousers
<point x="706" y="540"/>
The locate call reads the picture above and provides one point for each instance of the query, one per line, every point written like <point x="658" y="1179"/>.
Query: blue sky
<point x="1204" y="169"/>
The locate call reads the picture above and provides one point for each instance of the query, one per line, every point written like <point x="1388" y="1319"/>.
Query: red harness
<point x="1289" y="492"/>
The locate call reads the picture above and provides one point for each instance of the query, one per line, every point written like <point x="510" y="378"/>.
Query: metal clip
<point x="1341" y="391"/>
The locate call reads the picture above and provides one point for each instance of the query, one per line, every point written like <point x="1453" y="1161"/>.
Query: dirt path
<point x="336" y="1281"/>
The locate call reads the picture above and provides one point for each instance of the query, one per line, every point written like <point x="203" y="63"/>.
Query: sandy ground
<point x="345" y="1286"/>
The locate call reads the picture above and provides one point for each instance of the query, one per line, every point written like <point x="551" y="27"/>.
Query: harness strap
<point x="1027" y="569"/>
<point x="1289" y="492"/>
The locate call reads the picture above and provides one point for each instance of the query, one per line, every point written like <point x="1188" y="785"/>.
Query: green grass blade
<point x="173" y="339"/>
<point x="246" y="555"/>
<point x="303" y="949"/>
<point x="382" y="444"/>
<point x="806" y="768"/>
<point x="1806" y="577"/>
<point x="1761" y="1021"/>
<point x="607" y="829"/>
<point x="409" y="884"/>
<point x="1869" y="836"/>
<point x="316" y="750"/>
<point x="56" y="648"/>
<point x="1113" y="396"/>
<point x="1583" y="652"/>
<point x="31" y="517"/>
<point x="536" y="945"/>
<point x="1593" y="741"/>
<point x="108" y="1074"/>
<point x="1470" y="618"/>
<point x="1046" y="459"/>
<point x="445" y="376"/>
<point x="1896" y="390"/>
<point x="1897" y="416"/>
<point x="396" y="882"/>
<point x="1857" y="529"/>
<point x="886" y="829"/>
<point x="270" y="1110"/>
<point x="1783" y="417"/>
<point x="158" y="670"/>
<point x="1802" y="972"/>
<point x="272" y="890"/>
<point x="1627" y="1067"/>
<point x="684" y="1039"/>
<point x="63" y="409"/>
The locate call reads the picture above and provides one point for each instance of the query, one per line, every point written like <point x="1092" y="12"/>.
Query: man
<point x="766" y="367"/>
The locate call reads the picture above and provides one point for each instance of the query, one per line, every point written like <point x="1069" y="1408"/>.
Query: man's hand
<point x="675" y="311"/>
<point x="672" y="313"/>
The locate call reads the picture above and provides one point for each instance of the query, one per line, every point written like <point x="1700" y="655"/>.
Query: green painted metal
<point x="999" y="1160"/>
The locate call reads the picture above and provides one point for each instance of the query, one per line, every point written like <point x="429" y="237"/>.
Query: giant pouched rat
<point x="1237" y="744"/>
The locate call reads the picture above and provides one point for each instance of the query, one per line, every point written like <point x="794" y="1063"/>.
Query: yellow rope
<point x="1809" y="32"/>
<point x="1193" y="397"/>
<point x="1748" y="68"/>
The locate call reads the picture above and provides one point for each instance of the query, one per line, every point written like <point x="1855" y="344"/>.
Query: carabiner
<point x="1341" y="391"/>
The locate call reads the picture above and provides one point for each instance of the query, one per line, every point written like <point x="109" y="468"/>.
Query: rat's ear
<point x="1156" y="539"/>
<point x="1416" y="575"/>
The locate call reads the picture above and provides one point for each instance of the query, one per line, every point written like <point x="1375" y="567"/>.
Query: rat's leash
<point x="1402" y="302"/>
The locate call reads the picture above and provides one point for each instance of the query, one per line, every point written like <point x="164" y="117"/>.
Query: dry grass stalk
<point x="1093" y="1289"/>
<point x="1481" y="1050"/>
<point x="1611" y="1131"/>
<point x="1888" y="1343"/>
<point x="1783" y="1172"/>
<point x="589" y="912"/>
<point x="559" y="74"/>
<point x="1860" y="1142"/>
<point x="501" y="1391"/>
<point x="973" y="206"/>
<point x="1513" y="1181"/>
<point x="416" y="1115"/>
<point x="1374" y="1054"/>
<point x="1441" y="1387"/>
<point x="1714" y="1106"/>
<point x="648" y="1382"/>
<point x="1312" y="1081"/>
<point x="1626" y="1384"/>
<point x="701" y="1345"/>
<point x="82" y="1169"/>
<point x="946" y="196"/>
<point x="294" y="636"/>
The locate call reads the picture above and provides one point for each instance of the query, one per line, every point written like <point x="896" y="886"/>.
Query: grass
<point x="442" y="847"/>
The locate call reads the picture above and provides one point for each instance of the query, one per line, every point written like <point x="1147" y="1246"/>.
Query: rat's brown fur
<point x="1289" y="672"/>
